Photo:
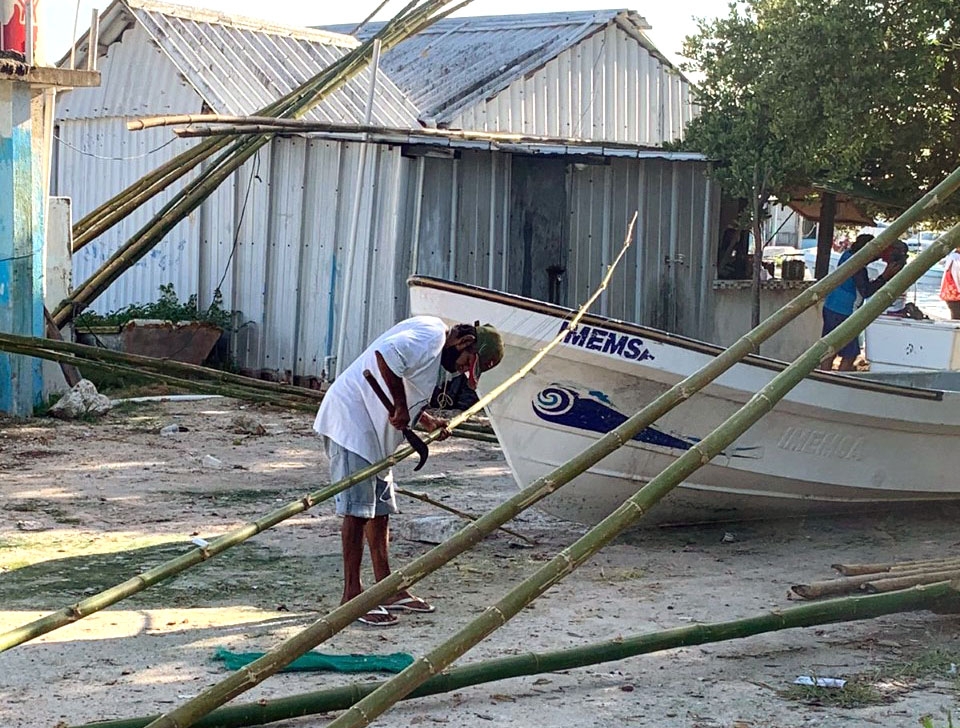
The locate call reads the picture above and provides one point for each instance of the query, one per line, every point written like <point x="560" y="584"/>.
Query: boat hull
<point x="834" y="444"/>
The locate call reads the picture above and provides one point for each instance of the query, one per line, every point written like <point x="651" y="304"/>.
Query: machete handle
<point x="378" y="390"/>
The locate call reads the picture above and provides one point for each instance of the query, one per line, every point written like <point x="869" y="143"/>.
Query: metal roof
<point x="239" y="65"/>
<point x="459" y="62"/>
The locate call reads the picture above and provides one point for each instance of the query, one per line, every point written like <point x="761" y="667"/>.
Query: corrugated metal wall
<point x="606" y="87"/>
<point x="98" y="158"/>
<point x="276" y="237"/>
<point x="289" y="219"/>
<point x="665" y="279"/>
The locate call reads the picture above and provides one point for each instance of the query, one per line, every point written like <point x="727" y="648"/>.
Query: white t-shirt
<point x="352" y="415"/>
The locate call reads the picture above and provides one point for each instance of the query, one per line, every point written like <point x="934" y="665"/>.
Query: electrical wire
<point x="112" y="159"/>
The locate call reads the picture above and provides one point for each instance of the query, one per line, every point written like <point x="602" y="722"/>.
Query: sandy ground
<point x="88" y="505"/>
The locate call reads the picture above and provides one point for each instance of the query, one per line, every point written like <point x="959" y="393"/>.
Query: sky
<point x="671" y="21"/>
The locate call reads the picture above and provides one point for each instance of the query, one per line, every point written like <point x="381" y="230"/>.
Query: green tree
<point x="839" y="91"/>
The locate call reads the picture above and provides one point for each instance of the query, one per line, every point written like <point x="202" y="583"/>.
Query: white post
<point x="93" y="40"/>
<point x="73" y="38"/>
<point x="28" y="25"/>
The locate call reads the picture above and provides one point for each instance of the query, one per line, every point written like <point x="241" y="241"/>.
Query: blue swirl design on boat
<point x="564" y="406"/>
<point x="594" y="412"/>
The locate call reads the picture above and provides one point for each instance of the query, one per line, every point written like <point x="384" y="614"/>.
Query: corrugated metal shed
<point x="539" y="217"/>
<point x="232" y="65"/>
<point x="592" y="75"/>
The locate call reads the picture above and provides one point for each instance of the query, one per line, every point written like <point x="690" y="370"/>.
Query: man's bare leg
<point x="351" y="538"/>
<point x="846" y="364"/>
<point x="378" y="538"/>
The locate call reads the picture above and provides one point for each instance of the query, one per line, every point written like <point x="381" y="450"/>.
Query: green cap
<point x="489" y="352"/>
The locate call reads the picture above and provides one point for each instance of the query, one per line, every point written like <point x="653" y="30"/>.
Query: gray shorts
<point x="366" y="499"/>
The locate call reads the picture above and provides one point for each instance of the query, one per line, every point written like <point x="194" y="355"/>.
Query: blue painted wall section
<point x="21" y="246"/>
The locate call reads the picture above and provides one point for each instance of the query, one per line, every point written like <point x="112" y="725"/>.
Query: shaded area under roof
<point x="240" y="65"/>
<point x="459" y="62"/>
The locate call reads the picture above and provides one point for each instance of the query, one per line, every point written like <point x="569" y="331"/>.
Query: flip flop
<point x="408" y="604"/>
<point x="380" y="612"/>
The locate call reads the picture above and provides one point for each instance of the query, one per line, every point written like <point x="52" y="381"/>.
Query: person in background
<point x="950" y="285"/>
<point x="358" y="431"/>
<point x="895" y="256"/>
<point x="840" y="303"/>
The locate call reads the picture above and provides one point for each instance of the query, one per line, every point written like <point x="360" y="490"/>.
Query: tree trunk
<point x="828" y="212"/>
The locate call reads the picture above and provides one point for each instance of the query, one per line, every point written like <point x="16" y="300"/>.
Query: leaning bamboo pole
<point x="412" y="19"/>
<point x="102" y="218"/>
<point x="403" y="578"/>
<point x="641" y="502"/>
<point x="170" y="568"/>
<point x="943" y="595"/>
<point x="164" y="571"/>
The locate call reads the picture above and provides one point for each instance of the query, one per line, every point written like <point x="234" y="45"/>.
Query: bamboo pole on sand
<point x="201" y="387"/>
<point x="849" y="584"/>
<point x="942" y="596"/>
<point x="349" y="611"/>
<point x="856" y="569"/>
<point x="640" y="503"/>
<point x="904" y="581"/>
<point x="466" y="538"/>
<point x="84" y="354"/>
<point x="424" y="498"/>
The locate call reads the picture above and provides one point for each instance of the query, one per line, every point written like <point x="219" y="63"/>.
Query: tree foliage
<point x="836" y="91"/>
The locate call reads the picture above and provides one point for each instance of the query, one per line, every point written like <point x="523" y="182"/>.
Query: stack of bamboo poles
<point x="881" y="578"/>
<point x="189" y="377"/>
<point x="222" y="157"/>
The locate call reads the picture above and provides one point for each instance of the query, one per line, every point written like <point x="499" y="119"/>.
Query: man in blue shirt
<point x="839" y="304"/>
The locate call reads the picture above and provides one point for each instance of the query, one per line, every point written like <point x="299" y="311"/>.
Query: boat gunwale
<point x="625" y="327"/>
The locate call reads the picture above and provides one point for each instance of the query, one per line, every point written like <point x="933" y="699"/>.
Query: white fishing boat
<point x="835" y="442"/>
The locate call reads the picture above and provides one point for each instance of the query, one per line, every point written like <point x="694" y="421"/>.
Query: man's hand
<point x="893" y="267"/>
<point x="400" y="418"/>
<point x="435" y="423"/>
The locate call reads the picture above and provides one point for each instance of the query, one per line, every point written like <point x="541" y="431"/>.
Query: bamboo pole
<point x="202" y="387"/>
<point x="856" y="569"/>
<point x="424" y="498"/>
<point x="540" y="488"/>
<point x="357" y="606"/>
<point x="640" y="503"/>
<point x="99" y="220"/>
<point x="849" y="584"/>
<point x="940" y="595"/>
<point x="84" y="352"/>
<point x="476" y="436"/>
<point x="325" y="627"/>
<point x="904" y="581"/>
